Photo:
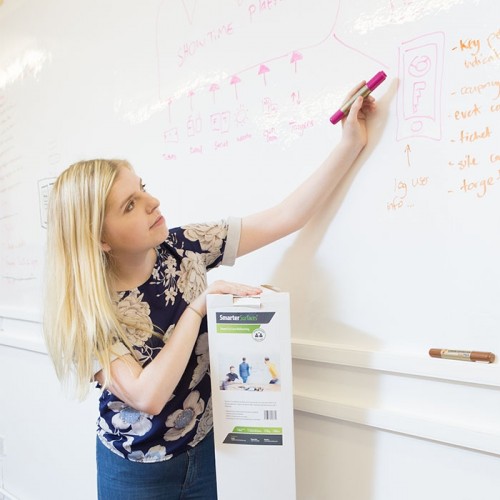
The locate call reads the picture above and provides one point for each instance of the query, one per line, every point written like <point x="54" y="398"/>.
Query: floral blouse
<point x="178" y="277"/>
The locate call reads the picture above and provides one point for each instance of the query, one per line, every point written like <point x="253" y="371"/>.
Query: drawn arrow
<point x="169" y="107"/>
<point x="190" y="7"/>
<point x="234" y="81"/>
<point x="296" y="56"/>
<point x="262" y="71"/>
<point x="190" y="95"/>
<point x="408" y="151"/>
<point x="213" y="88"/>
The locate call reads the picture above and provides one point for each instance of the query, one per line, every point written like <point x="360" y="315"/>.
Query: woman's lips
<point x="158" y="222"/>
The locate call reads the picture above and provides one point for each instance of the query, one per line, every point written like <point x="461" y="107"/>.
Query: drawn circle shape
<point x="416" y="126"/>
<point x="419" y="66"/>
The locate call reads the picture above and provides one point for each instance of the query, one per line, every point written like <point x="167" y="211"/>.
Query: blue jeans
<point x="190" y="475"/>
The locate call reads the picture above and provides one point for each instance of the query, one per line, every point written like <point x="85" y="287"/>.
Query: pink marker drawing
<point x="262" y="71"/>
<point x="419" y="94"/>
<point x="364" y="91"/>
<point x="296" y="56"/>
<point x="214" y="88"/>
<point x="190" y="95"/>
<point x="234" y="81"/>
<point x="190" y="9"/>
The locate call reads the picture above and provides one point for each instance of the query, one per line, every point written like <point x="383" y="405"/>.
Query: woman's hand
<point x="266" y="226"/>
<point x="354" y="124"/>
<point x="223" y="287"/>
<point x="149" y="388"/>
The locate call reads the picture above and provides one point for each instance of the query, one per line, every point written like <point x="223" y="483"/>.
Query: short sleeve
<point x="232" y="241"/>
<point x="117" y="351"/>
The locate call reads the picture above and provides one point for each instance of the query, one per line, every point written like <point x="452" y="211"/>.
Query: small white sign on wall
<point x="252" y="397"/>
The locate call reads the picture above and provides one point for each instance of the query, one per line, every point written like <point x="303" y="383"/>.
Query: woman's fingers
<point x="233" y="288"/>
<point x="354" y="90"/>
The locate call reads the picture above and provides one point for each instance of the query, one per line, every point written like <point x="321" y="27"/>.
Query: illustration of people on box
<point x="273" y="371"/>
<point x="253" y="377"/>
<point x="231" y="377"/>
<point x="244" y="370"/>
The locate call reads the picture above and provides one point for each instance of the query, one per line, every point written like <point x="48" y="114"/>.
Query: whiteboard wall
<point x="223" y="108"/>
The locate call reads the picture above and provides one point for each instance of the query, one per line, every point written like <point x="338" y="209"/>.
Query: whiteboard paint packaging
<point x="252" y="404"/>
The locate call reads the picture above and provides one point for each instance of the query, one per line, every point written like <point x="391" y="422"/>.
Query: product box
<point x="252" y="398"/>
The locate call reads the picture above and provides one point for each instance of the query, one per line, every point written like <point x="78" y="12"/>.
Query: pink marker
<point x="364" y="91"/>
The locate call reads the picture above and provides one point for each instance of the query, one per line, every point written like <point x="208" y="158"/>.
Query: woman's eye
<point x="130" y="206"/>
<point x="143" y="187"/>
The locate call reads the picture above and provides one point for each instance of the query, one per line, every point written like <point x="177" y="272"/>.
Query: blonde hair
<point x="81" y="321"/>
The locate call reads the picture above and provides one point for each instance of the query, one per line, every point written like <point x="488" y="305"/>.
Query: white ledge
<point x="402" y="423"/>
<point x="22" y="334"/>
<point x="421" y="365"/>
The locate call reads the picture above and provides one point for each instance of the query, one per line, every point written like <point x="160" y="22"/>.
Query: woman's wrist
<point x="199" y="305"/>
<point x="350" y="147"/>
<point x="198" y="313"/>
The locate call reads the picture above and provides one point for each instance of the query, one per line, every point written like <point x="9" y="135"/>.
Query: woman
<point x="125" y="307"/>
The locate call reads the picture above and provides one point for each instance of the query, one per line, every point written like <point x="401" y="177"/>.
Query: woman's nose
<point x="152" y="204"/>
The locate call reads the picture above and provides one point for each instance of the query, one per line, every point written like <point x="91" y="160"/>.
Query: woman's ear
<point x="105" y="247"/>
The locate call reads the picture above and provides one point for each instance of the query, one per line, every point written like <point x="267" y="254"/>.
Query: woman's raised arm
<point x="295" y="210"/>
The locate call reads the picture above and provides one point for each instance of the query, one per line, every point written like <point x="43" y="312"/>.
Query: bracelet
<point x="193" y="309"/>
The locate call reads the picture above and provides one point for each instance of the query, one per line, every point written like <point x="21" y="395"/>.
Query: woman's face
<point x="133" y="223"/>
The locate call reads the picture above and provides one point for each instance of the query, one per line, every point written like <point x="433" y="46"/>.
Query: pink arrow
<point x="296" y="56"/>
<point x="190" y="95"/>
<point x="234" y="81"/>
<point x="262" y="71"/>
<point x="190" y="9"/>
<point x="169" y="107"/>
<point x="213" y="88"/>
<point x="296" y="97"/>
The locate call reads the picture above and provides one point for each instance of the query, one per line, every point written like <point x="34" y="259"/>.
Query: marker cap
<point x="376" y="80"/>
<point x="337" y="116"/>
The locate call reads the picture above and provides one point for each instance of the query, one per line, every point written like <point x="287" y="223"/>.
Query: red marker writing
<point x="364" y="91"/>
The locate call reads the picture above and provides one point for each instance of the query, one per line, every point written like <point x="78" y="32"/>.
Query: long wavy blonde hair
<point x="81" y="322"/>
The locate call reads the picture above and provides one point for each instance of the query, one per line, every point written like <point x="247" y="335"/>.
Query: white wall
<point x="376" y="434"/>
<point x="392" y="269"/>
<point x="48" y="439"/>
<point x="363" y="430"/>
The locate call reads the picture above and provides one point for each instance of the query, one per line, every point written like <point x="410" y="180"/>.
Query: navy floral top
<point x="178" y="277"/>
